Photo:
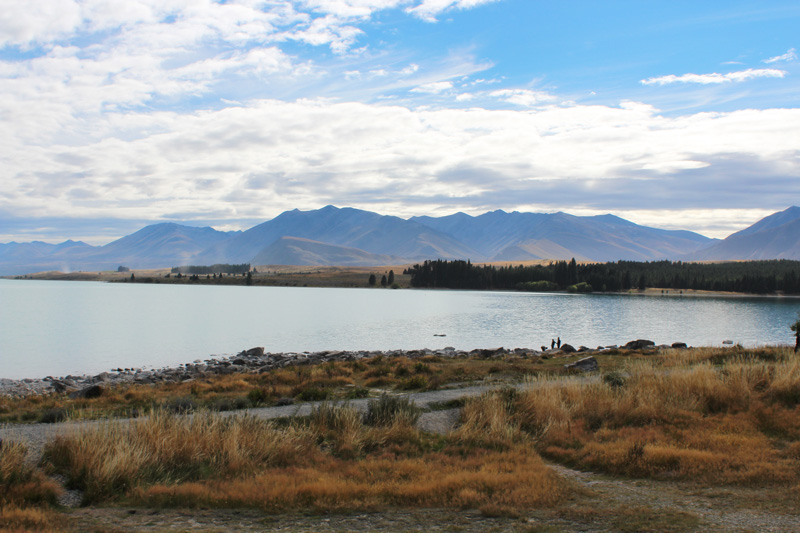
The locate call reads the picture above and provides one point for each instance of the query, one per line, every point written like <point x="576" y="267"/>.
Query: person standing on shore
<point x="796" y="328"/>
<point x="558" y="343"/>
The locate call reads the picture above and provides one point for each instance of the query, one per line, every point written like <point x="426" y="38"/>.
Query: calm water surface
<point x="59" y="327"/>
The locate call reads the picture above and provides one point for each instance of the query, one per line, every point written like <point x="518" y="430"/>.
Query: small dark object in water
<point x="439" y="335"/>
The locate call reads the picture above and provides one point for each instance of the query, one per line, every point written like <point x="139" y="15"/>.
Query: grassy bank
<point x="330" y="381"/>
<point x="722" y="419"/>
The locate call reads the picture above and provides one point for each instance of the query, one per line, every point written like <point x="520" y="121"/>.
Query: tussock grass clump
<point x="26" y="495"/>
<point x="21" y="484"/>
<point x="388" y="410"/>
<point x="328" y="461"/>
<point x="731" y="423"/>
<point x="512" y="480"/>
<point x="111" y="460"/>
<point x="487" y="421"/>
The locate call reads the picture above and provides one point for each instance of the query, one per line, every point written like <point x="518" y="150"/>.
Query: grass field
<point x="710" y="418"/>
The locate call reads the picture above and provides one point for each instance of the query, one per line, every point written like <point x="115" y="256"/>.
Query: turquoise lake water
<point x="58" y="327"/>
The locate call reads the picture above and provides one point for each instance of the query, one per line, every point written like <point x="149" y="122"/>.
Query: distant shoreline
<point x="336" y="277"/>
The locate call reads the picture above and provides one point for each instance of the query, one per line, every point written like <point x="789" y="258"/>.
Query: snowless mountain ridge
<point x="348" y="236"/>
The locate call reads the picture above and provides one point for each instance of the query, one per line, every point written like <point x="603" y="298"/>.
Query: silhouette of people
<point x="552" y="343"/>
<point x="797" y="342"/>
<point x="558" y="343"/>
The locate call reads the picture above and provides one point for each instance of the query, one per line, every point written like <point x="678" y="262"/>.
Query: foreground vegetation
<point x="706" y="417"/>
<point x="330" y="381"/>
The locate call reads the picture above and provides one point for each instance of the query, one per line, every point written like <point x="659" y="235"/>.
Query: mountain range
<point x="353" y="237"/>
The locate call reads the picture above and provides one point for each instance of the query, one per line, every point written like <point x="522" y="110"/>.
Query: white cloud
<point x="257" y="159"/>
<point x="409" y="70"/>
<point x="790" y="55"/>
<point x="428" y="10"/>
<point x="433" y="88"/>
<point x="523" y="97"/>
<point x="29" y="23"/>
<point x="715" y="78"/>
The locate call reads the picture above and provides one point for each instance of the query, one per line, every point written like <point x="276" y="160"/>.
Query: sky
<point x="678" y="115"/>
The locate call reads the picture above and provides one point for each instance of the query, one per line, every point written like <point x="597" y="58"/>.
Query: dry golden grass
<point x="738" y="422"/>
<point x="115" y="458"/>
<point x="26" y="495"/>
<point x="329" y="462"/>
<point x="335" y="380"/>
<point x="514" y="479"/>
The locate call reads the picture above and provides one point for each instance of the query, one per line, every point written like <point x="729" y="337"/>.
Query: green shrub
<point x="53" y="416"/>
<point x="257" y="396"/>
<point x="181" y="405"/>
<point x="356" y="392"/>
<point x="313" y="394"/>
<point x="537" y="286"/>
<point x="580" y="287"/>
<point x="413" y="383"/>
<point x="614" y="380"/>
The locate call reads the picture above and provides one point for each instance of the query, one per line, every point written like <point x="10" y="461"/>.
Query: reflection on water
<point x="57" y="328"/>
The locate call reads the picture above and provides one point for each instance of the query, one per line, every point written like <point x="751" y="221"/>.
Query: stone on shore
<point x="587" y="364"/>
<point x="639" y="344"/>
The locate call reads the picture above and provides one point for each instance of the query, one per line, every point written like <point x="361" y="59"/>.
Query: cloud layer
<point x="199" y="110"/>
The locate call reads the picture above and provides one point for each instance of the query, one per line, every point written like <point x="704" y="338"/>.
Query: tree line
<point x="756" y="277"/>
<point x="213" y="269"/>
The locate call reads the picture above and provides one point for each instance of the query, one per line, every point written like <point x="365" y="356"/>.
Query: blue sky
<point x="677" y="115"/>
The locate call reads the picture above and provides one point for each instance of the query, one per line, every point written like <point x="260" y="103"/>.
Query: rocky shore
<point x="256" y="360"/>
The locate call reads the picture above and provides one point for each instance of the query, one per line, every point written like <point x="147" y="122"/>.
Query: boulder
<point x="587" y="364"/>
<point x="679" y="345"/>
<point x="639" y="344"/>
<point x="93" y="391"/>
<point x="568" y="348"/>
<point x="254" y="352"/>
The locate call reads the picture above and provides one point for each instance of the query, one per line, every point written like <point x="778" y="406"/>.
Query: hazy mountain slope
<point x="23" y="258"/>
<point x="158" y="245"/>
<point x="367" y="231"/>
<point x="489" y="233"/>
<point x="296" y="251"/>
<point x="771" y="242"/>
<point x="503" y="236"/>
<point x="154" y="246"/>
<point x="772" y="221"/>
<point x="537" y="249"/>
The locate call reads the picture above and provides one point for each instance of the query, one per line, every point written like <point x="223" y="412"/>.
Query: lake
<point x="60" y="327"/>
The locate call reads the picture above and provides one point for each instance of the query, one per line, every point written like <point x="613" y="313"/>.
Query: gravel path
<point x="36" y="435"/>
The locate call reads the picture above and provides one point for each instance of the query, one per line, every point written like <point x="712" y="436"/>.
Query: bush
<point x="257" y="396"/>
<point x="614" y="380"/>
<point x="356" y="392"/>
<point x="537" y="286"/>
<point x="580" y="287"/>
<point x="413" y="383"/>
<point x="387" y="410"/>
<point x="313" y="394"/>
<point x="53" y="416"/>
<point x="181" y="405"/>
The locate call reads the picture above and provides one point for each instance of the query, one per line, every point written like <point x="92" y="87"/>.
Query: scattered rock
<point x="679" y="345"/>
<point x="568" y="348"/>
<point x="587" y="364"/>
<point x="254" y="352"/>
<point x="93" y="391"/>
<point x="639" y="344"/>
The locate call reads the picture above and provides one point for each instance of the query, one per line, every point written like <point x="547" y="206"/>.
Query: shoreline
<point x="257" y="361"/>
<point x="347" y="278"/>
